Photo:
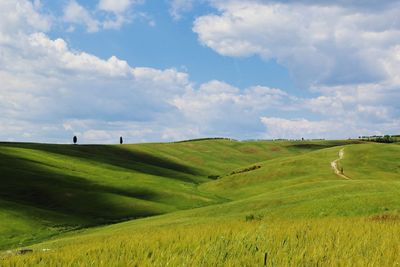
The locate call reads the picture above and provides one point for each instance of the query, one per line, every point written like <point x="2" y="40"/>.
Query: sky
<point x="168" y="70"/>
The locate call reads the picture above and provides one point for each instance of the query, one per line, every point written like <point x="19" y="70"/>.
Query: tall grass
<point x="316" y="242"/>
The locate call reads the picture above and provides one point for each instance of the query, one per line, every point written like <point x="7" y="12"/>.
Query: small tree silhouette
<point x="121" y="141"/>
<point x="75" y="139"/>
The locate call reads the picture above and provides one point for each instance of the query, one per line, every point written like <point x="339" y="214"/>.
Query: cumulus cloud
<point x="25" y="16"/>
<point x="225" y="110"/>
<point x="49" y="83"/>
<point x="50" y="92"/>
<point x="77" y="14"/>
<point x="95" y="75"/>
<point x="107" y="15"/>
<point x="319" y="44"/>
<point x="347" y="52"/>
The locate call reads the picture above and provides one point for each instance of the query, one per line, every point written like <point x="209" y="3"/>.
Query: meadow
<point x="200" y="203"/>
<point x="318" y="242"/>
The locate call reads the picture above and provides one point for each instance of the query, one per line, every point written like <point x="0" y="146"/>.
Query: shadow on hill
<point x="138" y="161"/>
<point x="25" y="182"/>
<point x="328" y="144"/>
<point x="310" y="146"/>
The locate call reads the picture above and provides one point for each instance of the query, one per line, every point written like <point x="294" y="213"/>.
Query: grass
<point x="46" y="189"/>
<point x="318" y="242"/>
<point x="291" y="207"/>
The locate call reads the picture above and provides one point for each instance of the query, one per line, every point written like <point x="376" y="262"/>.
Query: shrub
<point x="252" y="217"/>
<point x="252" y="168"/>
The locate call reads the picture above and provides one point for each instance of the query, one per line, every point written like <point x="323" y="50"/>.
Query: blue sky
<point x="177" y="69"/>
<point x="171" y="43"/>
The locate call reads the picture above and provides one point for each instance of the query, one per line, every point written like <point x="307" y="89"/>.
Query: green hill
<point x="48" y="190"/>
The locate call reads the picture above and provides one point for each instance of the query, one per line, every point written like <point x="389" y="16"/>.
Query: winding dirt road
<point x="334" y="165"/>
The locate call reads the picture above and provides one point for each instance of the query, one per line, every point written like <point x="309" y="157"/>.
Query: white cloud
<point x="319" y="44"/>
<point x="107" y="15"/>
<point x="217" y="96"/>
<point x="359" y="4"/>
<point x="96" y="131"/>
<point x="177" y="7"/>
<point x="50" y="92"/>
<point x="67" y="92"/>
<point x="119" y="12"/>
<point x="24" y="15"/>
<point x="116" y="6"/>
<point x="298" y="128"/>
<point x="224" y="110"/>
<point x="181" y="133"/>
<point x="342" y="127"/>
<point x="347" y="52"/>
<point x="116" y="22"/>
<point x="77" y="14"/>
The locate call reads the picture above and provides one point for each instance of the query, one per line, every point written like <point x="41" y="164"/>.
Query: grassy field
<point x="200" y="203"/>
<point x="318" y="242"/>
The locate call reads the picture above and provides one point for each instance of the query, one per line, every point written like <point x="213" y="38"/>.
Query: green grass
<point x="318" y="242"/>
<point x="64" y="194"/>
<point x="305" y="185"/>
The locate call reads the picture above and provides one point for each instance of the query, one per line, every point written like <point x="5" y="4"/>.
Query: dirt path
<point x="334" y="165"/>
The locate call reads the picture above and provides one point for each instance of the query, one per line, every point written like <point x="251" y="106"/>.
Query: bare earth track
<point x="334" y="165"/>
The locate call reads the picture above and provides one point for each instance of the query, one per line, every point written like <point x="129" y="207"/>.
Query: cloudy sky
<point x="177" y="69"/>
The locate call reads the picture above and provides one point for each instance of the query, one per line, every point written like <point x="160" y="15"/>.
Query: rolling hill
<point x="59" y="193"/>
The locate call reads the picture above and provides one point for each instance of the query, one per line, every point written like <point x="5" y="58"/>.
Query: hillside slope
<point x="290" y="210"/>
<point x="48" y="189"/>
<point x="306" y="186"/>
